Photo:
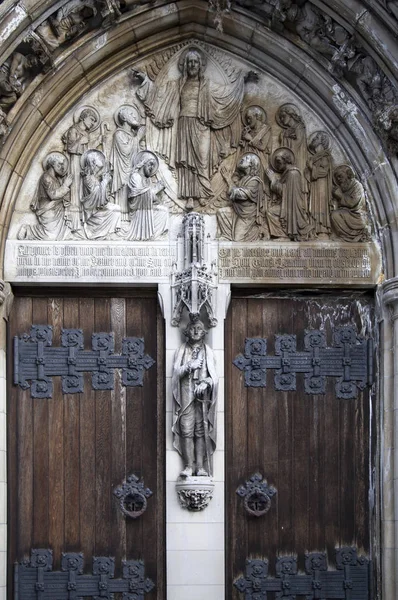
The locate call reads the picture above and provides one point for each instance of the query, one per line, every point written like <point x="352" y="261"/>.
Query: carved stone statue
<point x="257" y="134"/>
<point x="148" y="218"/>
<point x="293" y="134"/>
<point x="101" y="218"/>
<point x="193" y="122"/>
<point x="349" y="219"/>
<point x="318" y="173"/>
<point x="51" y="202"/>
<point x="67" y="23"/>
<point x="76" y="141"/>
<point x="294" y="217"/>
<point x="14" y="74"/>
<point x="126" y="143"/>
<point x="4" y="127"/>
<point x="244" y="221"/>
<point x="194" y="386"/>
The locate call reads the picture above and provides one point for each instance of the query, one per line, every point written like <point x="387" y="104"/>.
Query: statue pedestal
<point x="195" y="493"/>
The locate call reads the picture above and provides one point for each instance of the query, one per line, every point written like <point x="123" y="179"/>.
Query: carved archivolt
<point x="346" y="55"/>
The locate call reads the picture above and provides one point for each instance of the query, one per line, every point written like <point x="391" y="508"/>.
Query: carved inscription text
<point x="304" y="262"/>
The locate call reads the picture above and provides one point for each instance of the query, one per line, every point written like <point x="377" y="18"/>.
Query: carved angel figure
<point x="349" y="220"/>
<point x="76" y="141"/>
<point x="126" y="143"/>
<point x="51" y="202"/>
<point x="101" y="218"/>
<point x="193" y="122"/>
<point x="244" y="220"/>
<point x="148" y="218"/>
<point x="293" y="214"/>
<point x="318" y="173"/>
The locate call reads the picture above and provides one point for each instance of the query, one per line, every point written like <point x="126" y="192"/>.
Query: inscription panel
<point x="274" y="262"/>
<point x="107" y="262"/>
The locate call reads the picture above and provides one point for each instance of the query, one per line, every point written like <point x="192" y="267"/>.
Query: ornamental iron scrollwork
<point x="349" y="581"/>
<point x="35" y="578"/>
<point x="350" y="359"/>
<point x="256" y="494"/>
<point x="37" y="360"/>
<point x="133" y="496"/>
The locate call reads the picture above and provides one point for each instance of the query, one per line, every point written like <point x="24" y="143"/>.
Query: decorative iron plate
<point x="257" y="495"/>
<point x="350" y="580"/>
<point x="35" y="580"/>
<point x="133" y="497"/>
<point x="37" y="360"/>
<point x="350" y="359"/>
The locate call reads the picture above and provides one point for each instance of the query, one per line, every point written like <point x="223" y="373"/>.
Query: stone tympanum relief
<point x="190" y="129"/>
<point x="193" y="119"/>
<point x="91" y="197"/>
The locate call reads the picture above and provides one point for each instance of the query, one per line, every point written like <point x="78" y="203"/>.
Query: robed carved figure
<point x="195" y="386"/>
<point x="193" y="122"/>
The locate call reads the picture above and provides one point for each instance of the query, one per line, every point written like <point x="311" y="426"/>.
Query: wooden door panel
<point x="67" y="454"/>
<point x="315" y="449"/>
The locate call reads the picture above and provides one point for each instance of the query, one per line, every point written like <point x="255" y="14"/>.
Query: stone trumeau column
<point x="389" y="447"/>
<point x="195" y="512"/>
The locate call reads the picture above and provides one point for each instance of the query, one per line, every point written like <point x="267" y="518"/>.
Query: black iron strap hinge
<point x="34" y="579"/>
<point x="35" y="359"/>
<point x="350" y="359"/>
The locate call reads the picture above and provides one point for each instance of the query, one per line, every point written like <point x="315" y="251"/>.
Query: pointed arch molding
<point x="105" y="50"/>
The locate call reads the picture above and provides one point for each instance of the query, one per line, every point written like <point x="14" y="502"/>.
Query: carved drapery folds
<point x="346" y="55"/>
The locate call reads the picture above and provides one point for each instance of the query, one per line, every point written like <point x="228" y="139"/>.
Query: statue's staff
<point x="203" y="399"/>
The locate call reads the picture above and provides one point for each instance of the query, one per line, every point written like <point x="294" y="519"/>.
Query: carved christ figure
<point x="195" y="123"/>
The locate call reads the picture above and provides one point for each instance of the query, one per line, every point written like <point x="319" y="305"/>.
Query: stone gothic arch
<point x="340" y="60"/>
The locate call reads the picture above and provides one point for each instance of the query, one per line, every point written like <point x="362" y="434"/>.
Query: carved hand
<point x="195" y="364"/>
<point x="68" y="180"/>
<point x="201" y="389"/>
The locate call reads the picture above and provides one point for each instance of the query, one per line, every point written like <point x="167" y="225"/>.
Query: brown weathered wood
<point x="40" y="449"/>
<point x="314" y="449"/>
<point x="103" y="445"/>
<point x="56" y="503"/>
<point x="71" y="453"/>
<point x="71" y="446"/>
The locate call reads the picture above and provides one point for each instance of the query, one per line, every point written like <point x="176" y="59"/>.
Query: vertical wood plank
<point x="103" y="446"/>
<point x="71" y="446"/>
<point x="56" y="504"/>
<point x="87" y="508"/>
<point x="135" y="435"/>
<point x="40" y="448"/>
<point x="118" y="427"/>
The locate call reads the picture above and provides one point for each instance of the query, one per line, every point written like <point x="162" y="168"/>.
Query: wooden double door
<point x="315" y="451"/>
<point x="68" y="453"/>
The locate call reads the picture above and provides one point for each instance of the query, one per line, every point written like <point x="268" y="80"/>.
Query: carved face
<point x="150" y="167"/>
<point x="280" y="163"/>
<point x="342" y="180"/>
<point x="196" y="332"/>
<point x="60" y="165"/>
<point x="89" y="121"/>
<point x="285" y="118"/>
<point x="193" y="64"/>
<point x="244" y="164"/>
